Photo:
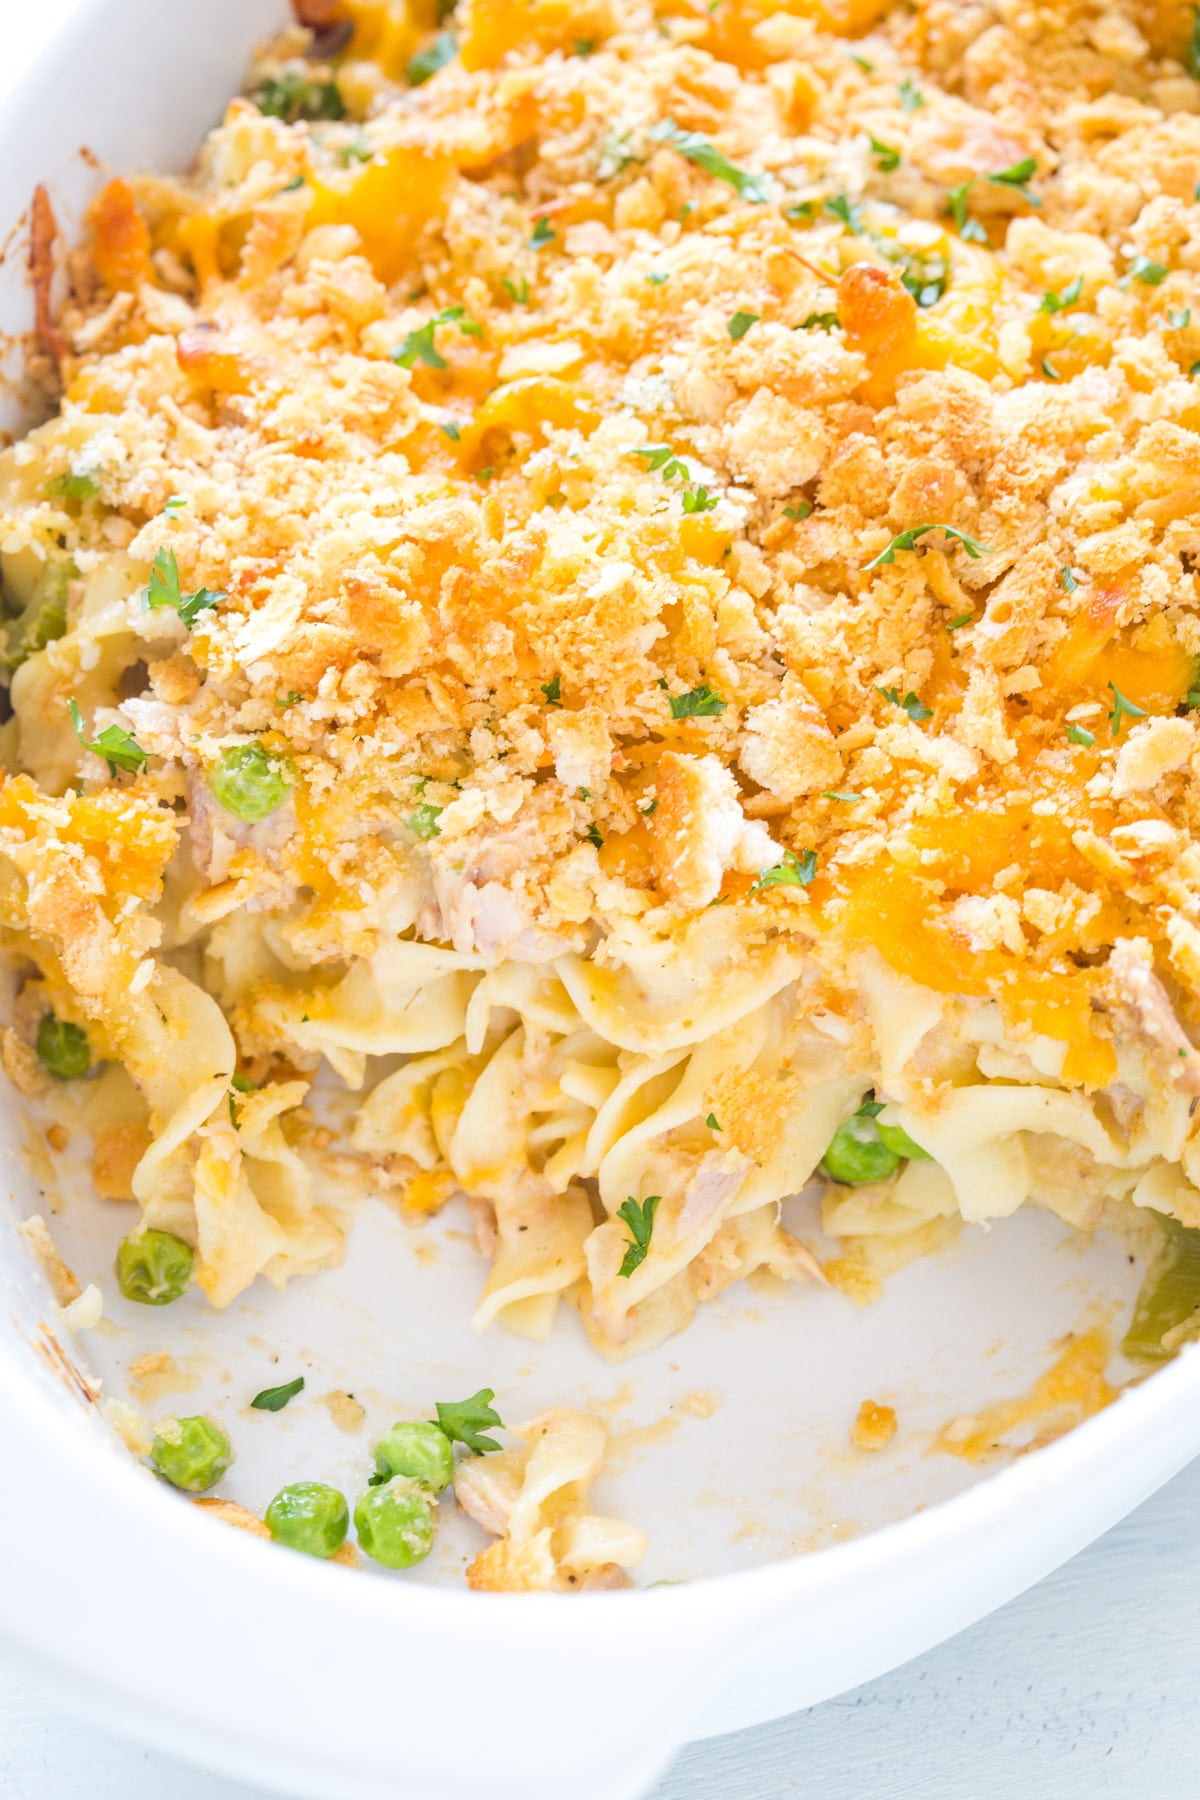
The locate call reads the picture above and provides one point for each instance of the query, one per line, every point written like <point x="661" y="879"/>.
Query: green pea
<point x="420" y="1451"/>
<point x="191" y="1454"/>
<point x="900" y="1144"/>
<point x="858" y="1153"/>
<point x="396" y="1523"/>
<point x="249" y="782"/>
<point x="153" y="1267"/>
<point x="63" y="1048"/>
<point x="309" y="1516"/>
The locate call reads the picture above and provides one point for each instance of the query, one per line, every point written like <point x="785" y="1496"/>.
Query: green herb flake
<point x="698" y="499"/>
<point x="164" y="591"/>
<point x="740" y="324"/>
<point x="1179" y="317"/>
<point x="660" y="457"/>
<point x="1049" y="370"/>
<point x="793" y="871"/>
<point x="647" y="811"/>
<point x="704" y="154"/>
<point x="1147" y="271"/>
<point x="553" y="691"/>
<point x="584" y="46"/>
<point x="276" y="1398"/>
<point x="289" y="700"/>
<point x="1068" y="580"/>
<point x="419" y="345"/>
<point x="834" y="794"/>
<point x="593" y="836"/>
<point x="1018" y="178"/>
<point x="698" y="703"/>
<point x="463" y="1421"/>
<point x="118" y="748"/>
<point x="518" y="290"/>
<point x="69" y="486"/>
<point x="639" y="1217"/>
<point x="1077" y="735"/>
<point x="887" y="160"/>
<point x="962" y="619"/>
<point x="862" y="62"/>
<point x="542" y="233"/>
<point x="820" y="321"/>
<point x="840" y="207"/>
<point x="656" y="279"/>
<point x="907" y="540"/>
<point x="1122" y="709"/>
<point x="292" y="96"/>
<point x="1062" y="302"/>
<point x="801" y="510"/>
<point x="452" y="430"/>
<point x="911" y="97"/>
<point x="800" y="211"/>
<point x="711" y="1122"/>
<point x="910" y="704"/>
<point x="423" y="823"/>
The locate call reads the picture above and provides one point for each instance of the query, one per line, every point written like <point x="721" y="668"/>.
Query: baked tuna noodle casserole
<point x="622" y="578"/>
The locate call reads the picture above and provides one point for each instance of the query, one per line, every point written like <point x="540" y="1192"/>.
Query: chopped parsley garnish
<point x="701" y="151"/>
<point x="593" y="836"/>
<point x="800" y="209"/>
<point x="639" y="1216"/>
<point x="910" y="703"/>
<point x="518" y="290"/>
<point x="1195" y="369"/>
<point x="793" y="871"/>
<point x="1062" y="302"/>
<point x="1147" y="271"/>
<point x="838" y="206"/>
<point x="1018" y="178"/>
<point x="424" y="822"/>
<point x="584" y="46"/>
<point x="584" y="793"/>
<point x="116" y="746"/>
<point x="276" y="1398"/>
<point x="711" y="1122"/>
<point x="542" y="233"/>
<point x="907" y="540"/>
<point x="660" y="456"/>
<point x="553" y="691"/>
<point x="698" y="703"/>
<point x="698" y="499"/>
<point x="72" y="487"/>
<point x="1179" y="317"/>
<point x="419" y="346"/>
<point x="656" y="279"/>
<point x="433" y="57"/>
<point x="1068" y="580"/>
<point x="164" y="591"/>
<point x="911" y="97"/>
<point x="834" y="794"/>
<point x="175" y="504"/>
<point x="957" y="624"/>
<point x="1122" y="709"/>
<point x="483" y="476"/>
<point x="1049" y="370"/>
<point x="452" y="429"/>
<point x="289" y="700"/>
<point x="293" y="96"/>
<point x="926" y="277"/>
<point x="827" y="321"/>
<point x="291" y="187"/>
<point x="861" y="62"/>
<point x="740" y="324"/>
<point x="886" y="159"/>
<point x="1077" y="735"/>
<point x="970" y="230"/>
<point x="801" y="510"/>
<point x="463" y="1421"/>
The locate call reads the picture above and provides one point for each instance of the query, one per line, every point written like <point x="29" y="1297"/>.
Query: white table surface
<point x="1087" y="1685"/>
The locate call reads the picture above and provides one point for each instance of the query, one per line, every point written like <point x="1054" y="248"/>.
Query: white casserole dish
<point x="296" y="1675"/>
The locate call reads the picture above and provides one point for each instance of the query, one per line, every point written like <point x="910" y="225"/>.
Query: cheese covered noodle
<point x="620" y="580"/>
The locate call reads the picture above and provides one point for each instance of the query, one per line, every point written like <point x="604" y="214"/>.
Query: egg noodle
<point x="621" y="577"/>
